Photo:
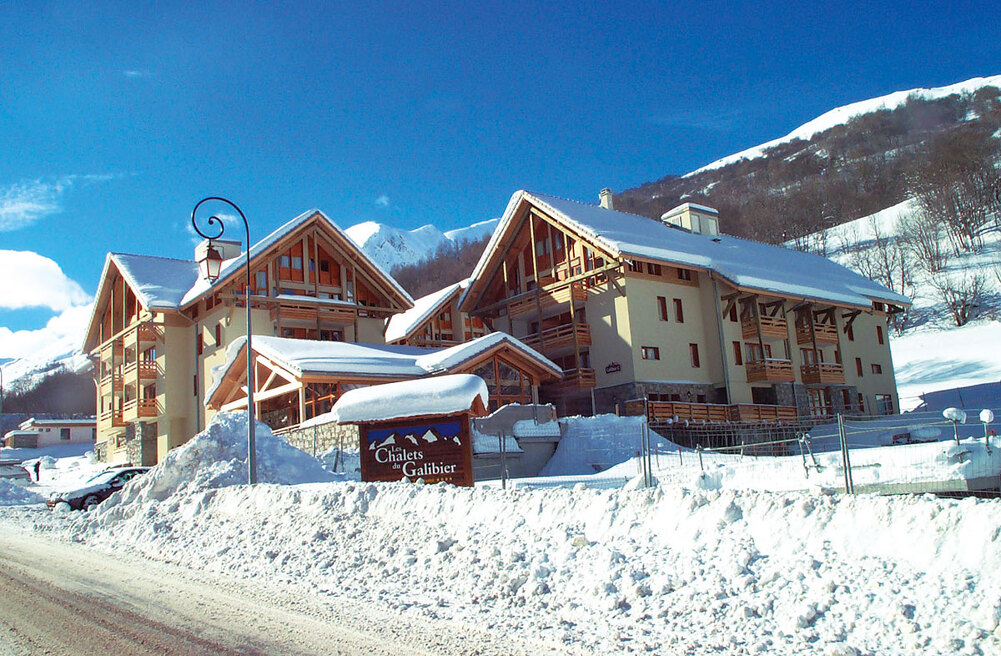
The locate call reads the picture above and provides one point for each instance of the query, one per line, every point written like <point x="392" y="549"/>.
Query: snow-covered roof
<point x="233" y="265"/>
<point x="403" y="325"/>
<point x="160" y="283"/>
<point x="302" y="357"/>
<point x="744" y="263"/>
<point x="442" y="395"/>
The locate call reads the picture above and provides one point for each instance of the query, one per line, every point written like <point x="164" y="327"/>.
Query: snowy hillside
<point x="841" y="115"/>
<point x="392" y="247"/>
<point x="63" y="354"/>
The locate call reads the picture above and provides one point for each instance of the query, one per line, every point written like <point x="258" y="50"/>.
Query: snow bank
<point x="614" y="571"/>
<point x="593" y="444"/>
<point x="217" y="457"/>
<point x="12" y="494"/>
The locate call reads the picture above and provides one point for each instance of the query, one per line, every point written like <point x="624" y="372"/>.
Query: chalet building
<point x="158" y="329"/>
<point x="701" y="324"/>
<point x="297" y="380"/>
<point x="435" y="320"/>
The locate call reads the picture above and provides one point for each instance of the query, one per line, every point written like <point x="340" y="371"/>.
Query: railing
<point x="526" y="303"/>
<point x="664" y="411"/>
<point x="145" y="368"/>
<point x="559" y="338"/>
<point x="825" y="373"/>
<point x="826" y="333"/>
<point x="769" y="370"/>
<point x="111" y="418"/>
<point x="136" y="408"/>
<point x="111" y="383"/>
<point x="776" y="327"/>
<point x="146" y="333"/>
<point x="574" y="380"/>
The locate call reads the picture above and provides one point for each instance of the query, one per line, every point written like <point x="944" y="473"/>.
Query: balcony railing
<point x="526" y="303"/>
<point x="826" y="333"/>
<point x="110" y="418"/>
<point x="713" y="413"/>
<point x="574" y="380"/>
<point x="147" y="333"/>
<point x="560" y="338"/>
<point x="771" y="370"/>
<point x="139" y="408"/>
<point x="144" y="369"/>
<point x="776" y="327"/>
<point x="111" y="383"/>
<point x="825" y="373"/>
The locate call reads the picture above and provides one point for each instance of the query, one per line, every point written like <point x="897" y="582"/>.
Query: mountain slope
<point x="392" y="247"/>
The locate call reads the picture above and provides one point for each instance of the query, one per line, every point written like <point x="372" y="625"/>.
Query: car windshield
<point x="102" y="477"/>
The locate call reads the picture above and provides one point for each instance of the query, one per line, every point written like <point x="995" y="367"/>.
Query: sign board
<point x="613" y="367"/>
<point x="434" y="450"/>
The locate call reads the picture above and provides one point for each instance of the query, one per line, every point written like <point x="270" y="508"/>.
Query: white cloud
<point x="382" y="201"/>
<point x="62" y="334"/>
<point x="233" y="224"/>
<point x="40" y="282"/>
<point x="26" y="202"/>
<point x="133" y="72"/>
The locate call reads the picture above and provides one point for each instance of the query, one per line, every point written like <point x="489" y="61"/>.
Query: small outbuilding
<point x="416" y="429"/>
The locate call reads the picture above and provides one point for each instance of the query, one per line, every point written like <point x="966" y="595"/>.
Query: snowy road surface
<point x="62" y="598"/>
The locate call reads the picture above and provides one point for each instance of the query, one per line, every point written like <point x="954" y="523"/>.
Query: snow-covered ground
<point x="665" y="570"/>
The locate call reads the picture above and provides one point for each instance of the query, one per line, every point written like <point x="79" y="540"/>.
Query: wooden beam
<point x="559" y="285"/>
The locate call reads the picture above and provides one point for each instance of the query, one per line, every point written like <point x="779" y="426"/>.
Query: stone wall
<point x="316" y="440"/>
<point x="606" y="398"/>
<point x="140" y="443"/>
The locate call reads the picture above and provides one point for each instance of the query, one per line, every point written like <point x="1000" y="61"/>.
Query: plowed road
<point x="63" y="598"/>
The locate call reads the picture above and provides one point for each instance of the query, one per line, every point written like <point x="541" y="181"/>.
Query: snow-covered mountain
<point x="392" y="247"/>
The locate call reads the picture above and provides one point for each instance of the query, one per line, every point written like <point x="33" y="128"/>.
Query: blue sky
<point x="115" y="118"/>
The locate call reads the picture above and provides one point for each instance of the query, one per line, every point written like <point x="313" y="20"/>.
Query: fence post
<point x="503" y="454"/>
<point x="698" y="449"/>
<point x="845" y="460"/>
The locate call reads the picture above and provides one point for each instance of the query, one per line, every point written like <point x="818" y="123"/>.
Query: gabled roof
<point x="302" y="357"/>
<point x="159" y="283"/>
<point x="404" y="324"/>
<point x="234" y="265"/>
<point x="743" y="263"/>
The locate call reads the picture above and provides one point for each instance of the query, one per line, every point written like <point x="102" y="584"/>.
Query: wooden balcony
<point x="146" y="333"/>
<point x="574" y="380"/>
<point x="771" y="327"/>
<point x="341" y="316"/>
<point x="110" y="418"/>
<point x="825" y="373"/>
<point x="139" y="409"/>
<point x="295" y="313"/>
<point x="826" y="333"/>
<point x="525" y="305"/>
<point x="559" y="338"/>
<point x="713" y="413"/>
<point x="769" y="370"/>
<point x="758" y="413"/>
<point x="143" y="370"/>
<point x="111" y="383"/>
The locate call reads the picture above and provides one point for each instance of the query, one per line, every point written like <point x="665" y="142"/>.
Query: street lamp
<point x="210" y="264"/>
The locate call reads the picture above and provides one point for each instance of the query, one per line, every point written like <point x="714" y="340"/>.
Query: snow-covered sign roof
<point x="744" y="263"/>
<point x="442" y="395"/>
<point x="403" y="325"/>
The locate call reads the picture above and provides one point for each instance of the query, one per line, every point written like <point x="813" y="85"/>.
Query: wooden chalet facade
<point x="435" y="320"/>
<point x="705" y="326"/>
<point x="157" y="330"/>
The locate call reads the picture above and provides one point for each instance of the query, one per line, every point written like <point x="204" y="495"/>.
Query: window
<point x="650" y="352"/>
<point x="679" y="311"/>
<point x="733" y="313"/>
<point x="653" y="269"/>
<point x="199" y="343"/>
<point x="877" y="368"/>
<point x="737" y="355"/>
<point x="261" y="282"/>
<point x="284" y="261"/>
<point x="635" y="267"/>
<point x="879" y="334"/>
<point x="858" y="366"/>
<point x="694" y="350"/>
<point x="324" y="266"/>
<point x="542" y="247"/>
<point x="297" y="263"/>
<point x="662" y="308"/>
<point x="684" y="274"/>
<point x="64" y="434"/>
<point x="884" y="404"/>
<point x="557" y="245"/>
<point x="218" y="334"/>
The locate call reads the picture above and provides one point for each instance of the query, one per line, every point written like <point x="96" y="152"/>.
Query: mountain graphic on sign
<point x="412" y="439"/>
<point x="429" y="436"/>
<point x="386" y="442"/>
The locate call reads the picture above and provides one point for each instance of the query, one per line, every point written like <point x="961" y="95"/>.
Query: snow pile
<point x="613" y="571"/>
<point x="593" y="444"/>
<point x="217" y="457"/>
<point x="440" y="395"/>
<point x="344" y="464"/>
<point x="12" y="494"/>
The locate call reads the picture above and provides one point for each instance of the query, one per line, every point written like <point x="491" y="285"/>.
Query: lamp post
<point x="210" y="265"/>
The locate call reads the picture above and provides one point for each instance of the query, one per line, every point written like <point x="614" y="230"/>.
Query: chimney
<point x="605" y="198"/>
<point x="228" y="248"/>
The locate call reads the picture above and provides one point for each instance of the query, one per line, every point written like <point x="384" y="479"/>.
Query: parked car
<point x="98" y="488"/>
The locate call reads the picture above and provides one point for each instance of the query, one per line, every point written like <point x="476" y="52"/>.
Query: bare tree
<point x="962" y="294"/>
<point x="923" y="236"/>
